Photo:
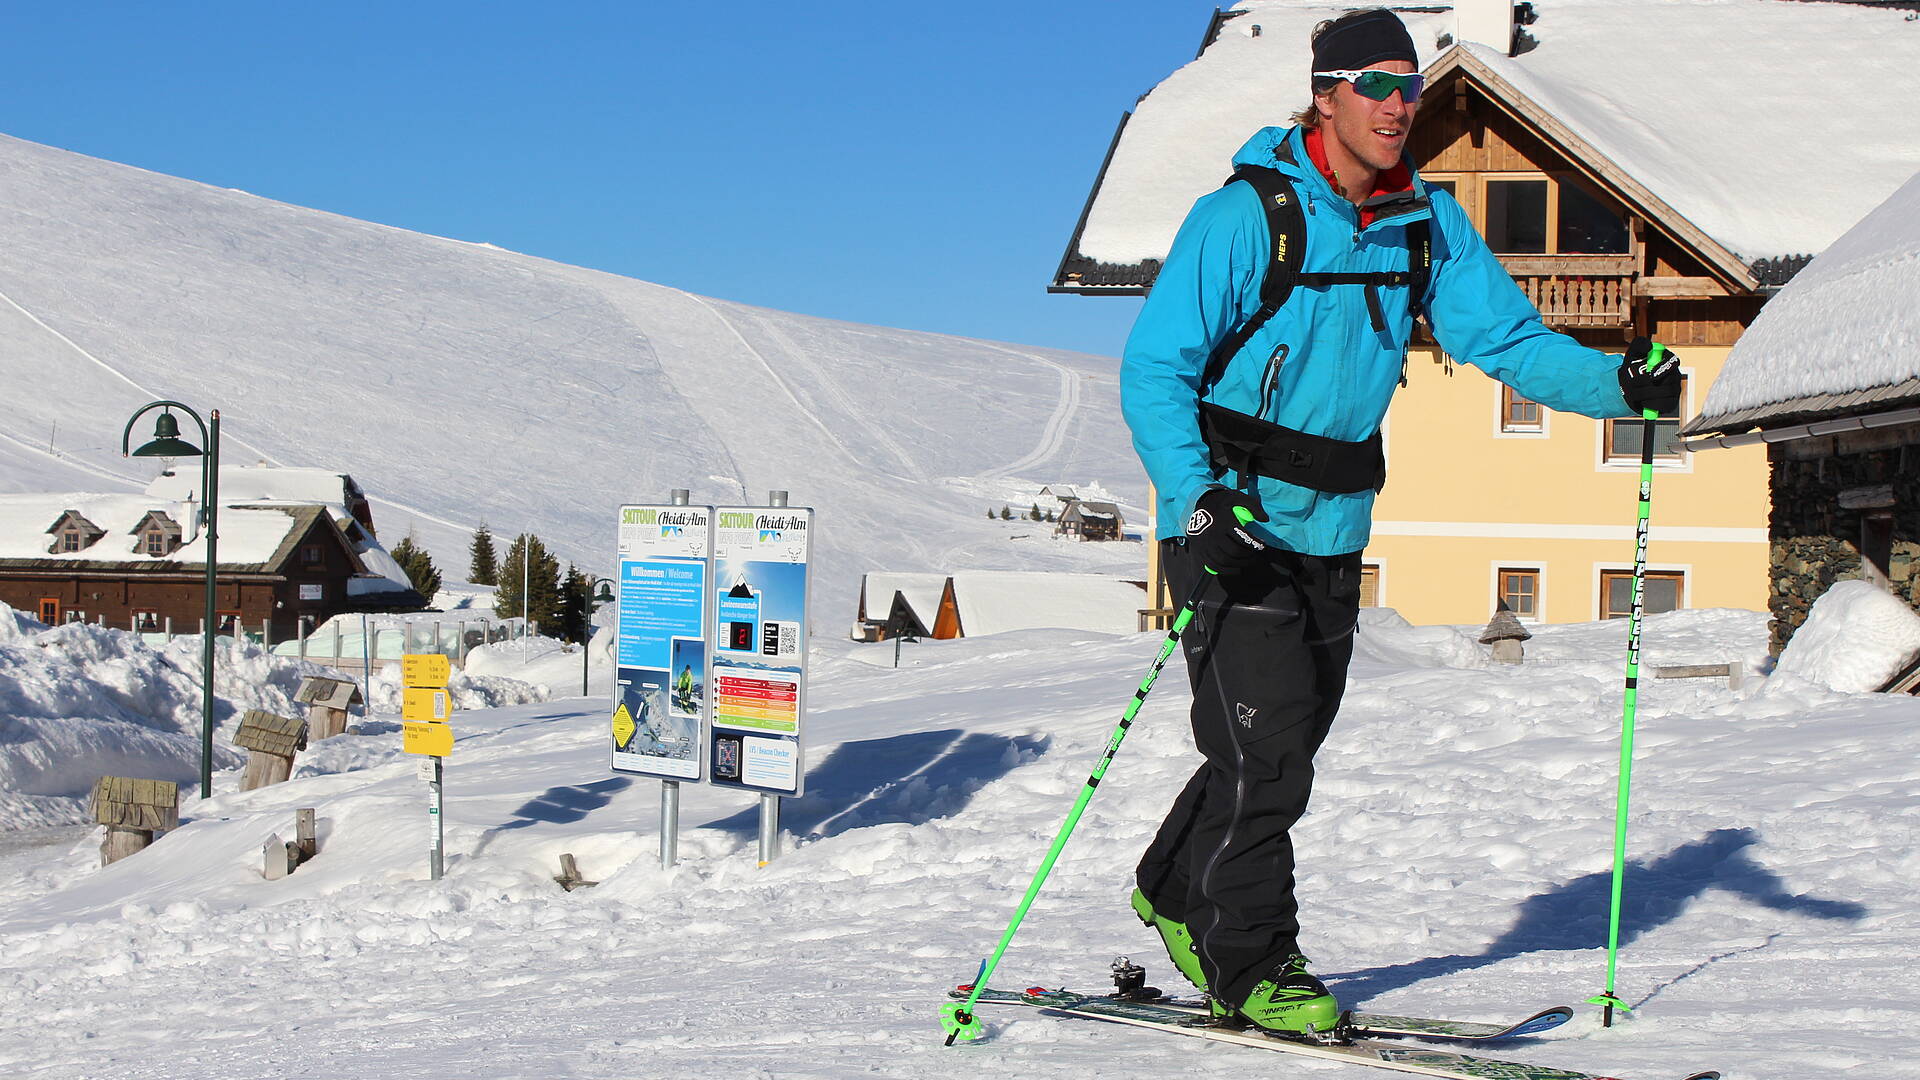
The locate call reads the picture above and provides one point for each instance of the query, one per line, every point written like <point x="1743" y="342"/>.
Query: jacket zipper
<point x="1271" y="382"/>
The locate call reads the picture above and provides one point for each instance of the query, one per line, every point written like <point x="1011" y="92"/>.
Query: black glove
<point x="1216" y="535"/>
<point x="1658" y="389"/>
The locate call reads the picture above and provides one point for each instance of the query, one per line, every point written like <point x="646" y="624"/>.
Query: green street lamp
<point x="167" y="443"/>
<point x="604" y="596"/>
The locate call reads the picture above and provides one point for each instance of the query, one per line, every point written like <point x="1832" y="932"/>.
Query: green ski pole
<point x="956" y="1018"/>
<point x="1607" y="999"/>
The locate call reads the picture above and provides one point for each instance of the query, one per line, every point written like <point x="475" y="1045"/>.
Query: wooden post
<point x="327" y="701"/>
<point x="306" y="839"/>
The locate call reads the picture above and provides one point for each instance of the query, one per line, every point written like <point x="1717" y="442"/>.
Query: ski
<point x="1360" y="1024"/>
<point x="1362" y="1051"/>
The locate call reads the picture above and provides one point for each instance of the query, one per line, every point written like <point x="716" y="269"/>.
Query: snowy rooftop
<point x="921" y="590"/>
<point x="259" y="484"/>
<point x="1844" y="335"/>
<point x="1730" y="124"/>
<point x="247" y="537"/>
<point x="996" y="601"/>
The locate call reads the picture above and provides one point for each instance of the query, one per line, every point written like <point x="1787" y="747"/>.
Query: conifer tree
<point x="573" y="606"/>
<point x="424" y="576"/>
<point x="542" y="573"/>
<point x="1034" y="514"/>
<point x="1006" y="513"/>
<point x="484" y="567"/>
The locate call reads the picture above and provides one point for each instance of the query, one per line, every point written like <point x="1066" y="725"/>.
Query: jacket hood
<point x="1277" y="148"/>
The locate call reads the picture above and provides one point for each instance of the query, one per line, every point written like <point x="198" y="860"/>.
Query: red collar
<point x="1397" y="179"/>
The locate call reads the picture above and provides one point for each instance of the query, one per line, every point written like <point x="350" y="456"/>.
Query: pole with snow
<point x="669" y="789"/>
<point x="770" y="804"/>
<point x="1607" y="999"/>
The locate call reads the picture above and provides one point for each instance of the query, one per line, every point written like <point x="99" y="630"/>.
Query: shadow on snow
<point x="1574" y="915"/>
<point x="907" y="779"/>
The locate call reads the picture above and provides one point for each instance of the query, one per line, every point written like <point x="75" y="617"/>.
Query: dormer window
<point x="73" y="532"/>
<point x="159" y="535"/>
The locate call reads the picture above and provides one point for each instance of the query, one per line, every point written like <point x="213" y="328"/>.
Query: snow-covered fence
<point x="353" y="642"/>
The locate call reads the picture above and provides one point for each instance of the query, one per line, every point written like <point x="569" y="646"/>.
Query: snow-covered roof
<point x="996" y="601"/>
<point x="1732" y="112"/>
<point x="1843" y="336"/>
<point x="259" y="484"/>
<point x="247" y="537"/>
<point x="922" y="593"/>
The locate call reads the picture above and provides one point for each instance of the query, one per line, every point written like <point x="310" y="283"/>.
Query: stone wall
<point x="1816" y="541"/>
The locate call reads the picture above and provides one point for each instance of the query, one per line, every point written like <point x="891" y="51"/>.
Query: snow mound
<point x="1384" y="636"/>
<point x="1856" y="637"/>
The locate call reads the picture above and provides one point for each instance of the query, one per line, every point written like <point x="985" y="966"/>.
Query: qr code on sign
<point x="789" y="638"/>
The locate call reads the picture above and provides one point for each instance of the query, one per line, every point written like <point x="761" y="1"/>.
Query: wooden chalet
<point x="126" y="561"/>
<point x="1829" y="382"/>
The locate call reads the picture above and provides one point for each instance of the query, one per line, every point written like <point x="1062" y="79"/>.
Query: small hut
<point x="271" y="742"/>
<point x="132" y="810"/>
<point x="1505" y="634"/>
<point x="327" y="701"/>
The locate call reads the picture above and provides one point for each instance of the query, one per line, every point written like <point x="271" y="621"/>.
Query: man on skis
<point x="1267" y="456"/>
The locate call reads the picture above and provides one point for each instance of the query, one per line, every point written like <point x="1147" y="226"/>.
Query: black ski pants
<point x="1267" y="654"/>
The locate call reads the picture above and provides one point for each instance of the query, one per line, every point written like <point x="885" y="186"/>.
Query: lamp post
<point x="168" y="444"/>
<point x="604" y="596"/>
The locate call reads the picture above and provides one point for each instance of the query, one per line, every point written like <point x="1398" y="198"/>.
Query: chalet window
<point x="146" y="620"/>
<point x="1519" y="413"/>
<point x="1517" y="216"/>
<point x="50" y="610"/>
<point x="1370" y="585"/>
<point x="228" y="622"/>
<point x="70" y="540"/>
<point x="1587" y="227"/>
<point x="1665" y="590"/>
<point x="1624" y="436"/>
<point x="157" y="543"/>
<point x="311" y="554"/>
<point x="1451" y="187"/>
<point x="1519" y="590"/>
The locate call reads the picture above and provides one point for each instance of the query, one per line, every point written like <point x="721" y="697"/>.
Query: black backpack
<point x="1287" y="226"/>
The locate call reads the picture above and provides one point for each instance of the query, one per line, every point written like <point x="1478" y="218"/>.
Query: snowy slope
<point x="1455" y="860"/>
<point x="443" y="376"/>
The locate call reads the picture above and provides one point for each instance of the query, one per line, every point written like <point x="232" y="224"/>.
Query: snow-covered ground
<point x="1455" y="862"/>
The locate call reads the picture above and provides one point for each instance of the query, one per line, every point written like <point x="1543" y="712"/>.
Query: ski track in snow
<point x="1054" y="435"/>
<point x="799" y="407"/>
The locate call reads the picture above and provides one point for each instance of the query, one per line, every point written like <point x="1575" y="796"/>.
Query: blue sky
<point x="917" y="165"/>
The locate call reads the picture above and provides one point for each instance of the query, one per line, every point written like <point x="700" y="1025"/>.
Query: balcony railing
<point x="1577" y="290"/>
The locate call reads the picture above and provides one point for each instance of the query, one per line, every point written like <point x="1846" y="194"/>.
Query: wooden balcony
<point x="1577" y="291"/>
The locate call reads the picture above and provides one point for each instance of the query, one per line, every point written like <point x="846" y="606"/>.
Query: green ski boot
<point x="1174" y="936"/>
<point x="1291" y="1002"/>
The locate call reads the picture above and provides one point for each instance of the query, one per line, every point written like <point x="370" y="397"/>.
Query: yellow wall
<point x="1463" y="499"/>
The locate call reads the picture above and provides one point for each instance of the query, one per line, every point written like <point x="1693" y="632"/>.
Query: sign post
<point x="424" y="708"/>
<point x="660" y="705"/>
<point x="760" y="654"/>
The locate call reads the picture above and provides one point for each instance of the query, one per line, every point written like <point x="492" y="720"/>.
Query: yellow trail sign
<point x="423" y="703"/>
<point x="430" y="670"/>
<point x="622" y="727"/>
<point x="426" y="738"/>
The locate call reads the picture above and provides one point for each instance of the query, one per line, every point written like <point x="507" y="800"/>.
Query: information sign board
<point x="430" y="738"/>
<point x="425" y="669"/>
<point x="659" y="720"/>
<point x="760" y="647"/>
<point x="423" y="703"/>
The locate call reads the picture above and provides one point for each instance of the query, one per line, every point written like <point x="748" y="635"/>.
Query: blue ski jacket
<point x="1317" y="365"/>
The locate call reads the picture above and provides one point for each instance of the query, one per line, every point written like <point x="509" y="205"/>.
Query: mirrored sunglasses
<point x="1379" y="85"/>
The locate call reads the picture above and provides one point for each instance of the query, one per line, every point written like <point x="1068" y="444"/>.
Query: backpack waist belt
<point x="1249" y="445"/>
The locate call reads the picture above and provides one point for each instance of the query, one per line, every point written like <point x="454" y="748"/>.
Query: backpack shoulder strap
<point x="1287" y="230"/>
<point x="1419" y="265"/>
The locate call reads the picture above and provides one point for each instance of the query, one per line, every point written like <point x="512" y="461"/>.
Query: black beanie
<point x="1359" y="39"/>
